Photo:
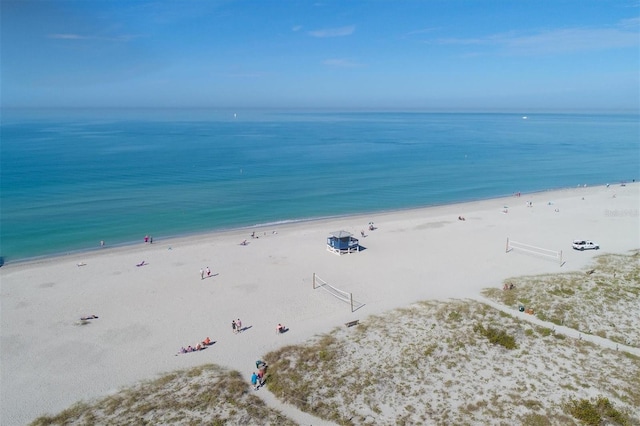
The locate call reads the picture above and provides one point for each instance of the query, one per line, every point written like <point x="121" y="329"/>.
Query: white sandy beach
<point x="147" y="313"/>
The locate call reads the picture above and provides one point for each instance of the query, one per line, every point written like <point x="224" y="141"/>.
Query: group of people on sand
<point x="371" y="227"/>
<point x="253" y="234"/>
<point x="200" y="346"/>
<point x="258" y="378"/>
<point x="148" y="239"/>
<point x="205" y="272"/>
<point x="236" y="325"/>
<point x="508" y="286"/>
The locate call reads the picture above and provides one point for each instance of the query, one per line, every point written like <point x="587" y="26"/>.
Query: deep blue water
<point x="71" y="178"/>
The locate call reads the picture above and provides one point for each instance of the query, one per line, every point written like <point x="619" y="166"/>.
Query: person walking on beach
<point x="201" y="274"/>
<point x="208" y="272"/>
<point x="254" y="381"/>
<point x="234" y="326"/>
<point x="261" y="377"/>
<point x="239" y="325"/>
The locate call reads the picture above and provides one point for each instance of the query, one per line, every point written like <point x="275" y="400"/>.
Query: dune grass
<point x="462" y="362"/>
<point x="204" y="395"/>
<point x="602" y="300"/>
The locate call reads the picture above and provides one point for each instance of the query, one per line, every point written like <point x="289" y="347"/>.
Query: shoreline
<point x="147" y="313"/>
<point x="211" y="233"/>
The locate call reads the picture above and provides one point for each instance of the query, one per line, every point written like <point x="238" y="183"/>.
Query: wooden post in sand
<point x="507" y="249"/>
<point x="314" y="281"/>
<point x="351" y="300"/>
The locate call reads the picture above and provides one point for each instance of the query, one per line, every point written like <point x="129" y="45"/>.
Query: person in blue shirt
<point x="254" y="380"/>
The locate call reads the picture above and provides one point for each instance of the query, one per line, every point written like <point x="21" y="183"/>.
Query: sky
<point x="435" y="55"/>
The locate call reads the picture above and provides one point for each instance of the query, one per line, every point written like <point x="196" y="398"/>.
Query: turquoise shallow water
<point x="72" y="178"/>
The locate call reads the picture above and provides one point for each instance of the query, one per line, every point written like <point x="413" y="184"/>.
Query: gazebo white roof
<point x="341" y="234"/>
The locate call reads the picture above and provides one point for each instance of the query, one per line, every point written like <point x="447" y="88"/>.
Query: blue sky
<point x="387" y="55"/>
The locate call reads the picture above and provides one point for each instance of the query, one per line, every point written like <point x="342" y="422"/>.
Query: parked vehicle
<point x="585" y="245"/>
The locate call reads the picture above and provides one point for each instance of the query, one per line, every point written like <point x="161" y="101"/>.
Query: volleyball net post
<point x="345" y="296"/>
<point x="555" y="255"/>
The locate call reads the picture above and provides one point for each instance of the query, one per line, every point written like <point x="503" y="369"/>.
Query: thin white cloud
<point x="572" y="40"/>
<point x="333" y="32"/>
<point x="249" y="74"/>
<point x="630" y="23"/>
<point x="461" y="41"/>
<point x="555" y="41"/>
<point x="68" y="36"/>
<point x="341" y="63"/>
<point x="422" y="31"/>
<point x="296" y="28"/>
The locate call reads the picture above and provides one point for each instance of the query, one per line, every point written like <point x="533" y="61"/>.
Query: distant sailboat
<point x="524" y="117"/>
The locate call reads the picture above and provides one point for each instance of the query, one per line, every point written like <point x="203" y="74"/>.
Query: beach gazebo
<point x="342" y="242"/>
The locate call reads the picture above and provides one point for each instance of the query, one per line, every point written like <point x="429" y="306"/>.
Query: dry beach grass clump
<point x="604" y="300"/>
<point x="205" y="395"/>
<point x="456" y="362"/>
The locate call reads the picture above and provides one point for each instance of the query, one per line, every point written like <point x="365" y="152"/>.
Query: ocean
<point x="71" y="178"/>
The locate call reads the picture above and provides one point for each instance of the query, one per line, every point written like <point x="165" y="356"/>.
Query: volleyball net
<point x="555" y="255"/>
<point x="345" y="296"/>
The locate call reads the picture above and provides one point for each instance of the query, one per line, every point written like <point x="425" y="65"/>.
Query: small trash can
<point x="521" y="308"/>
